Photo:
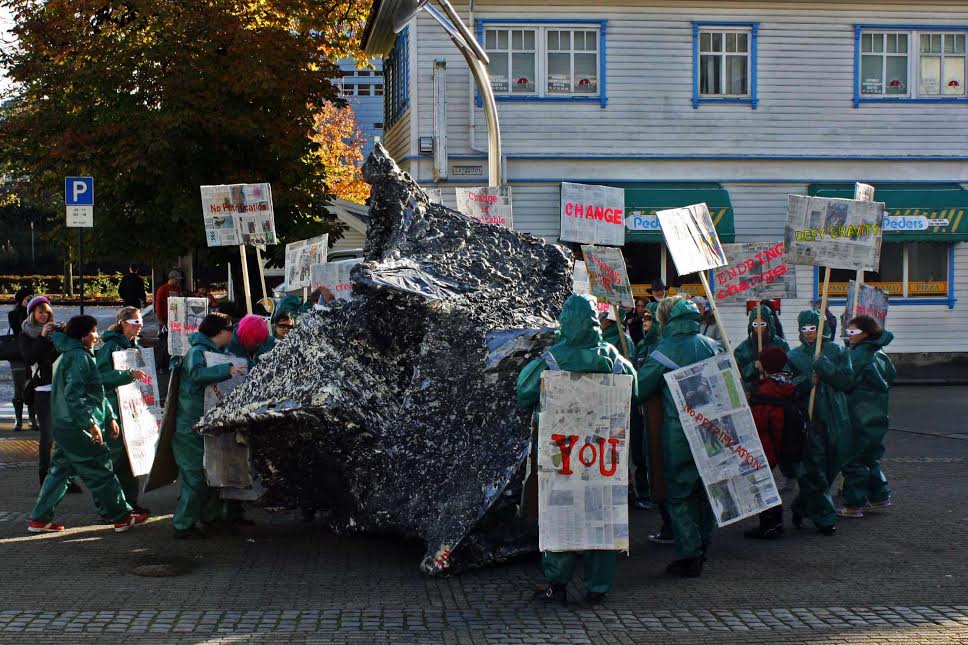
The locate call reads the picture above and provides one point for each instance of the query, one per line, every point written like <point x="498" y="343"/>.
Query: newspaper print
<point x="435" y="195"/>
<point x="140" y="408"/>
<point x="583" y="468"/>
<point x="863" y="192"/>
<point x="592" y="214"/>
<point x="607" y="276"/>
<point x="215" y="392"/>
<point x="226" y="462"/>
<point x="756" y="271"/>
<point x="691" y="238"/>
<point x="835" y="233"/>
<point x="184" y="317"/>
<point x="873" y="302"/>
<point x="487" y="205"/>
<point x="238" y="214"/>
<point x="300" y="257"/>
<point x="719" y="426"/>
<point x="334" y="277"/>
<point x="581" y="285"/>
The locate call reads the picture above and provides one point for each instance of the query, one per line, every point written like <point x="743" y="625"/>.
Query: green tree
<point x="154" y="98"/>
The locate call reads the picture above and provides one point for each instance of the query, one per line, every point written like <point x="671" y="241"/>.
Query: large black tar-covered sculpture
<point x="396" y="410"/>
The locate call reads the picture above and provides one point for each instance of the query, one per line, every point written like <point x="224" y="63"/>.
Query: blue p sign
<point x="79" y="191"/>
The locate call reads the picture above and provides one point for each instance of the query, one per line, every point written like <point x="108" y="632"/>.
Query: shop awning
<point x="642" y="202"/>
<point x="907" y="204"/>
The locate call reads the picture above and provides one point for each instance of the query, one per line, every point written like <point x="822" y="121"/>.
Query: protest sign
<point x="139" y="406"/>
<point x="487" y="205"/>
<point x="592" y="214"/>
<point x="607" y="277"/>
<point x="872" y="302"/>
<point x="184" y="316"/>
<point x="226" y="460"/>
<point x="164" y="469"/>
<point x="756" y="271"/>
<point x="238" y="214"/>
<point x="691" y="238"/>
<point x="334" y="277"/>
<point x="719" y="427"/>
<point x="863" y="192"/>
<point x="580" y="284"/>
<point x="583" y="468"/>
<point x="836" y="233"/>
<point x="300" y="257"/>
<point x="215" y="392"/>
<point x="435" y="195"/>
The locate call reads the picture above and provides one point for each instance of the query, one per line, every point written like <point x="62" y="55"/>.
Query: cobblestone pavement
<point x="893" y="577"/>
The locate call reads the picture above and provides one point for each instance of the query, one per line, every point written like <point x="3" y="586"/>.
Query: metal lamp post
<point x="477" y="60"/>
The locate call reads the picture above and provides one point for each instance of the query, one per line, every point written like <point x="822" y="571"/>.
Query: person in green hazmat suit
<point x="121" y="336"/>
<point x="81" y="415"/>
<point x="580" y="348"/>
<point x="251" y="339"/>
<point x="747" y="356"/>
<point x="689" y="510"/>
<point x="612" y="333"/>
<point x="829" y="439"/>
<point x="865" y="486"/>
<point x="198" y="502"/>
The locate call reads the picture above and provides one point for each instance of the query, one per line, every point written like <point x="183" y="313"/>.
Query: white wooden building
<point x="737" y="104"/>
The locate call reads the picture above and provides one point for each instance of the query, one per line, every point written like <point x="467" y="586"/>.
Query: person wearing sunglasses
<point x="828" y="442"/>
<point x="121" y="336"/>
<point x="282" y="325"/>
<point x="865" y="486"/>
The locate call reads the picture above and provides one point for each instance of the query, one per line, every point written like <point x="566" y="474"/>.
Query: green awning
<point x="643" y="200"/>
<point x="943" y="203"/>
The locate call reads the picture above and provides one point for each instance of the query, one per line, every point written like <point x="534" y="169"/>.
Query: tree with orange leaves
<point x="340" y="152"/>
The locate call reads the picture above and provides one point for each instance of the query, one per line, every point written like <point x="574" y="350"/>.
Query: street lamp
<point x="477" y="60"/>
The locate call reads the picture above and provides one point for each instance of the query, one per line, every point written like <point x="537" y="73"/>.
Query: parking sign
<point x="79" y="198"/>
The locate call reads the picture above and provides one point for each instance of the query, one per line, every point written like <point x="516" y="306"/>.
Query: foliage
<point x="104" y="285"/>
<point x="154" y="98"/>
<point x="340" y="152"/>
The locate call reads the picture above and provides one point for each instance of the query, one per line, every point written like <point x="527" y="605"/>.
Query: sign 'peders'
<point x="910" y="223"/>
<point x="592" y="214"/>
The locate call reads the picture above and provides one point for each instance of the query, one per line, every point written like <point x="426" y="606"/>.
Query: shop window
<point x="907" y="270"/>
<point x="644" y="264"/>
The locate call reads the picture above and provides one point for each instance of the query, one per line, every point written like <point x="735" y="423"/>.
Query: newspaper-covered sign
<point x="140" y="408"/>
<point x="592" y="214"/>
<point x="238" y="214"/>
<point x="435" y="195"/>
<point x="722" y="436"/>
<point x="835" y="233"/>
<point x="335" y="277"/>
<point x="580" y="284"/>
<point x="863" y="192"/>
<point x="215" y="392"/>
<point x="691" y="238"/>
<point x="487" y="205"/>
<point x="583" y="468"/>
<point x="756" y="271"/>
<point x="608" y="279"/>
<point x="184" y="316"/>
<point x="873" y="302"/>
<point x="300" y="257"/>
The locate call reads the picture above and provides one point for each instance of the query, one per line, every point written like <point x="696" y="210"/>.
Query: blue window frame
<point x="542" y="46"/>
<point x="910" y="64"/>
<point x="724" y="63"/>
<point x="396" y="72"/>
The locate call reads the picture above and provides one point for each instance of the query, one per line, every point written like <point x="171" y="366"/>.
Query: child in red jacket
<point x="769" y="397"/>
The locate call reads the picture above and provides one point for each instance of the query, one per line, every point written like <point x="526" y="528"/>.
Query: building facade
<point x="736" y="104"/>
<point x="363" y="91"/>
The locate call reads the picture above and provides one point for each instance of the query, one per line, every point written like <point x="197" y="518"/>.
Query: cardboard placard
<point x="140" y="409"/>
<point x="300" y="257"/>
<point x="184" y="316"/>
<point x="592" y="214"/>
<point x="487" y="205"/>
<point x="691" y="238"/>
<point x="238" y="214"/>
<point x="756" y="271"/>
<point x="835" y="233"/>
<point x="334" y="277"/>
<point x="607" y="276"/>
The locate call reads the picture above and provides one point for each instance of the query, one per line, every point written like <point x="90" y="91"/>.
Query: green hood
<point x="880" y="343"/>
<point x="65" y="343"/>
<point x="652" y="336"/>
<point x="198" y="338"/>
<point x="683" y="320"/>
<point x="290" y="304"/>
<point x="117" y="337"/>
<point x="766" y="314"/>
<point x="579" y="323"/>
<point x="812" y="317"/>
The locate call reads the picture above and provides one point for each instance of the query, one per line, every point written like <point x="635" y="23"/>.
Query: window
<point x="378" y="89"/>
<point x="906" y="63"/>
<point x="553" y="61"/>
<point x="396" y="78"/>
<point x="724" y="63"/>
<point x="908" y="270"/>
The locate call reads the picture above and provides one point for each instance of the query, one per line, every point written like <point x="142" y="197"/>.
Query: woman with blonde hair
<point x="121" y="336"/>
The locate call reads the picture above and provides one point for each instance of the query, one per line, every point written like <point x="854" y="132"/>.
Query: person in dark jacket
<point x="18" y="368"/>
<point x="872" y="374"/>
<point x="770" y="392"/>
<point x="121" y="336"/>
<point x="81" y="415"/>
<point x="633" y="321"/>
<point x="198" y="502"/>
<point x="132" y="289"/>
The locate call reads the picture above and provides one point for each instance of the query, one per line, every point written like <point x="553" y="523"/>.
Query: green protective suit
<point x="872" y="376"/>
<point x="288" y="304"/>
<point x="648" y="343"/>
<point x="236" y="348"/>
<point x="115" y="341"/>
<point x="828" y="443"/>
<point x="611" y="336"/>
<point x="77" y="403"/>
<point x="198" y="502"/>
<point x="692" y="517"/>
<point x="580" y="348"/>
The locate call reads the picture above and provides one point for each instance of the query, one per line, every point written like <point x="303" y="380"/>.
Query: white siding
<point x="351" y="239"/>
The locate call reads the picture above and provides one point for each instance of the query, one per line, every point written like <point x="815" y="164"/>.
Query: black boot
<point x="553" y="593"/>
<point x="771" y="525"/>
<point x="687" y="567"/>
<point x="18" y="410"/>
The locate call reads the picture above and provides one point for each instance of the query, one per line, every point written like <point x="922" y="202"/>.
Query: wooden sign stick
<point x="819" y="346"/>
<point x="245" y="280"/>
<point x="621" y="332"/>
<point x="759" y="321"/>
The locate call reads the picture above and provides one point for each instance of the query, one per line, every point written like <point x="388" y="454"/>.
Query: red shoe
<point x="35" y="526"/>
<point x="132" y="520"/>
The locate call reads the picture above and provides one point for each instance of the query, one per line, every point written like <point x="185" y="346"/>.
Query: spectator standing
<point x="170" y="289"/>
<point x="132" y="289"/>
<point x="18" y="368"/>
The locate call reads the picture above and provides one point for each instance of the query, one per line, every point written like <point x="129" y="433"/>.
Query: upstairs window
<point x="396" y="71"/>
<point x="884" y="64"/>
<point x="942" y="65"/>
<point x="724" y="63"/>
